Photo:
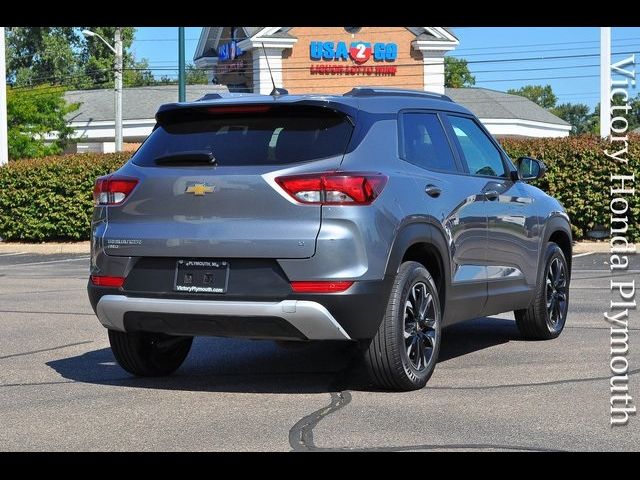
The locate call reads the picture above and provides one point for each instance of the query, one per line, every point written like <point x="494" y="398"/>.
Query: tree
<point x="37" y="55"/>
<point x="138" y="75"/>
<point x="457" y="74"/>
<point x="195" y="76"/>
<point x="632" y="115"/>
<point x="577" y="114"/>
<point x="62" y="56"/>
<point x="96" y="60"/>
<point x="543" y="96"/>
<point x="33" y="114"/>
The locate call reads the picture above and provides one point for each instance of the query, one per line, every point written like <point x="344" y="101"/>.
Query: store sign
<point x="229" y="51"/>
<point x="358" y="52"/>
<point x="329" y="56"/>
<point x="237" y="65"/>
<point x="376" y="70"/>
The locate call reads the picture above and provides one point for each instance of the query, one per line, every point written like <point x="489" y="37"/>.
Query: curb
<point x="591" y="247"/>
<point x="48" y="248"/>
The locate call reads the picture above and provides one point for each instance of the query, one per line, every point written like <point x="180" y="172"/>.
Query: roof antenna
<point x="276" y="92"/>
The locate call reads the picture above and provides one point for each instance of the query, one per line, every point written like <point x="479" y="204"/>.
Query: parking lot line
<point x="44" y="263"/>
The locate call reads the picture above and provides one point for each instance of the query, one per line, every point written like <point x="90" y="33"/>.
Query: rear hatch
<point x="206" y="185"/>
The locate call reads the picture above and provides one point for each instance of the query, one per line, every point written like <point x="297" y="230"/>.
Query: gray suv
<point x="376" y="217"/>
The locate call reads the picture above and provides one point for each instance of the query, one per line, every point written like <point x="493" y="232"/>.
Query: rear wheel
<point x="546" y="316"/>
<point x="149" y="354"/>
<point x="404" y="351"/>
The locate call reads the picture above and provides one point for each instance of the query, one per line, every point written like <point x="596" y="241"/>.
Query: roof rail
<point x="390" y="91"/>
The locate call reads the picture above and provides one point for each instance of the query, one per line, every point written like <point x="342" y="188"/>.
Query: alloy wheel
<point x="556" y="293"/>
<point x="420" y="334"/>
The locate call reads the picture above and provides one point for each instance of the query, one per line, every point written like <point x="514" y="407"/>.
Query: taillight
<point x="112" y="190"/>
<point x="106" y="281"/>
<point x="334" y="188"/>
<point x="320" y="287"/>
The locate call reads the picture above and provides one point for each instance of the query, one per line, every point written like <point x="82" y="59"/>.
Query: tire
<point x="147" y="354"/>
<point x="546" y="316"/>
<point x="393" y="355"/>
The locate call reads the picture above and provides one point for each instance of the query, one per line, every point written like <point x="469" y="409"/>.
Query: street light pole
<point x="118" y="87"/>
<point x="605" y="81"/>
<point x="4" y="147"/>
<point x="118" y="79"/>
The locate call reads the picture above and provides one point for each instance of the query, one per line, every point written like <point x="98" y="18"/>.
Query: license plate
<point x="201" y="276"/>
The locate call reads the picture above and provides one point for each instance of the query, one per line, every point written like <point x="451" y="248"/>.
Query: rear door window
<point x="246" y="135"/>
<point x="424" y="142"/>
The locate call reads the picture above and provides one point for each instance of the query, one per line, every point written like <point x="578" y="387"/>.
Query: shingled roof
<point x="486" y="103"/>
<point x="142" y="103"/>
<point x="138" y="103"/>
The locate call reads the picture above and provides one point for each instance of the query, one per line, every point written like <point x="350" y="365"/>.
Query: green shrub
<point x="578" y="174"/>
<point x="51" y="198"/>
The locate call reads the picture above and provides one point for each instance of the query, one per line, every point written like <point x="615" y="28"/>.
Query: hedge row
<point x="578" y="174"/>
<point x="50" y="198"/>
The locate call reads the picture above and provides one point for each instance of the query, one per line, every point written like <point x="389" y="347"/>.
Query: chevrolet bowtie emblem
<point x="199" y="189"/>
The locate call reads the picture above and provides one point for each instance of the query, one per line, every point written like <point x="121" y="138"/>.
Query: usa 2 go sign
<point x="359" y="52"/>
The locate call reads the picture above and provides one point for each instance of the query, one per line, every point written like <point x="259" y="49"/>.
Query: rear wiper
<point x="190" y="157"/>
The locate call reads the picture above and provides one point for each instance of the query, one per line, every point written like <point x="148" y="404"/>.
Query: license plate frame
<point x="201" y="276"/>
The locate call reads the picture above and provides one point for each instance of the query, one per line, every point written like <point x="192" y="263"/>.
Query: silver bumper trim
<point x="312" y="319"/>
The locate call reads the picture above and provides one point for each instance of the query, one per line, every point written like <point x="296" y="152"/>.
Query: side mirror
<point x="530" y="168"/>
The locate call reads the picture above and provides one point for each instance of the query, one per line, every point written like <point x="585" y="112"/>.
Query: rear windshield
<point x="246" y="135"/>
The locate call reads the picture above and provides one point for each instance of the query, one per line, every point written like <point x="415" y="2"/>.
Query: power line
<point x="556" y="57"/>
<point x="564" y="67"/>
<point x="494" y="47"/>
<point x="164" y="40"/>
<point x="251" y="69"/>
<point x="537" y="78"/>
<point x="457" y="54"/>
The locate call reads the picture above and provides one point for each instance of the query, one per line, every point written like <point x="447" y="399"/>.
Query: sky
<point x="494" y="54"/>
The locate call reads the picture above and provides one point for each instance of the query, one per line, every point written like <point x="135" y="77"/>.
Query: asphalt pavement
<point x="60" y="388"/>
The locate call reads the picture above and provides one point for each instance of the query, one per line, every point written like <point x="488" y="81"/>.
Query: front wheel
<point x="546" y="316"/>
<point x="404" y="351"/>
<point x="148" y="354"/>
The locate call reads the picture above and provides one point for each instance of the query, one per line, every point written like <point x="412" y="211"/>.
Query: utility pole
<point x="4" y="146"/>
<point x="118" y="87"/>
<point x="605" y="81"/>
<point x="182" y="90"/>
<point x="117" y="50"/>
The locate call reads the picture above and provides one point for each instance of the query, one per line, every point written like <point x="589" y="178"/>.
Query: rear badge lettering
<point x="119" y="242"/>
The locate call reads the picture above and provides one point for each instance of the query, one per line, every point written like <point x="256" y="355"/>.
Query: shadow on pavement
<point x="474" y="335"/>
<point x="234" y="365"/>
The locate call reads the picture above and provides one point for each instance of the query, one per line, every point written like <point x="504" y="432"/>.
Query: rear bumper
<point x="310" y="320"/>
<point x="354" y="314"/>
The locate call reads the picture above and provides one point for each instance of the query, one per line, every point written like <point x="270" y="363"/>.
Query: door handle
<point x="432" y="191"/>
<point x="491" y="194"/>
